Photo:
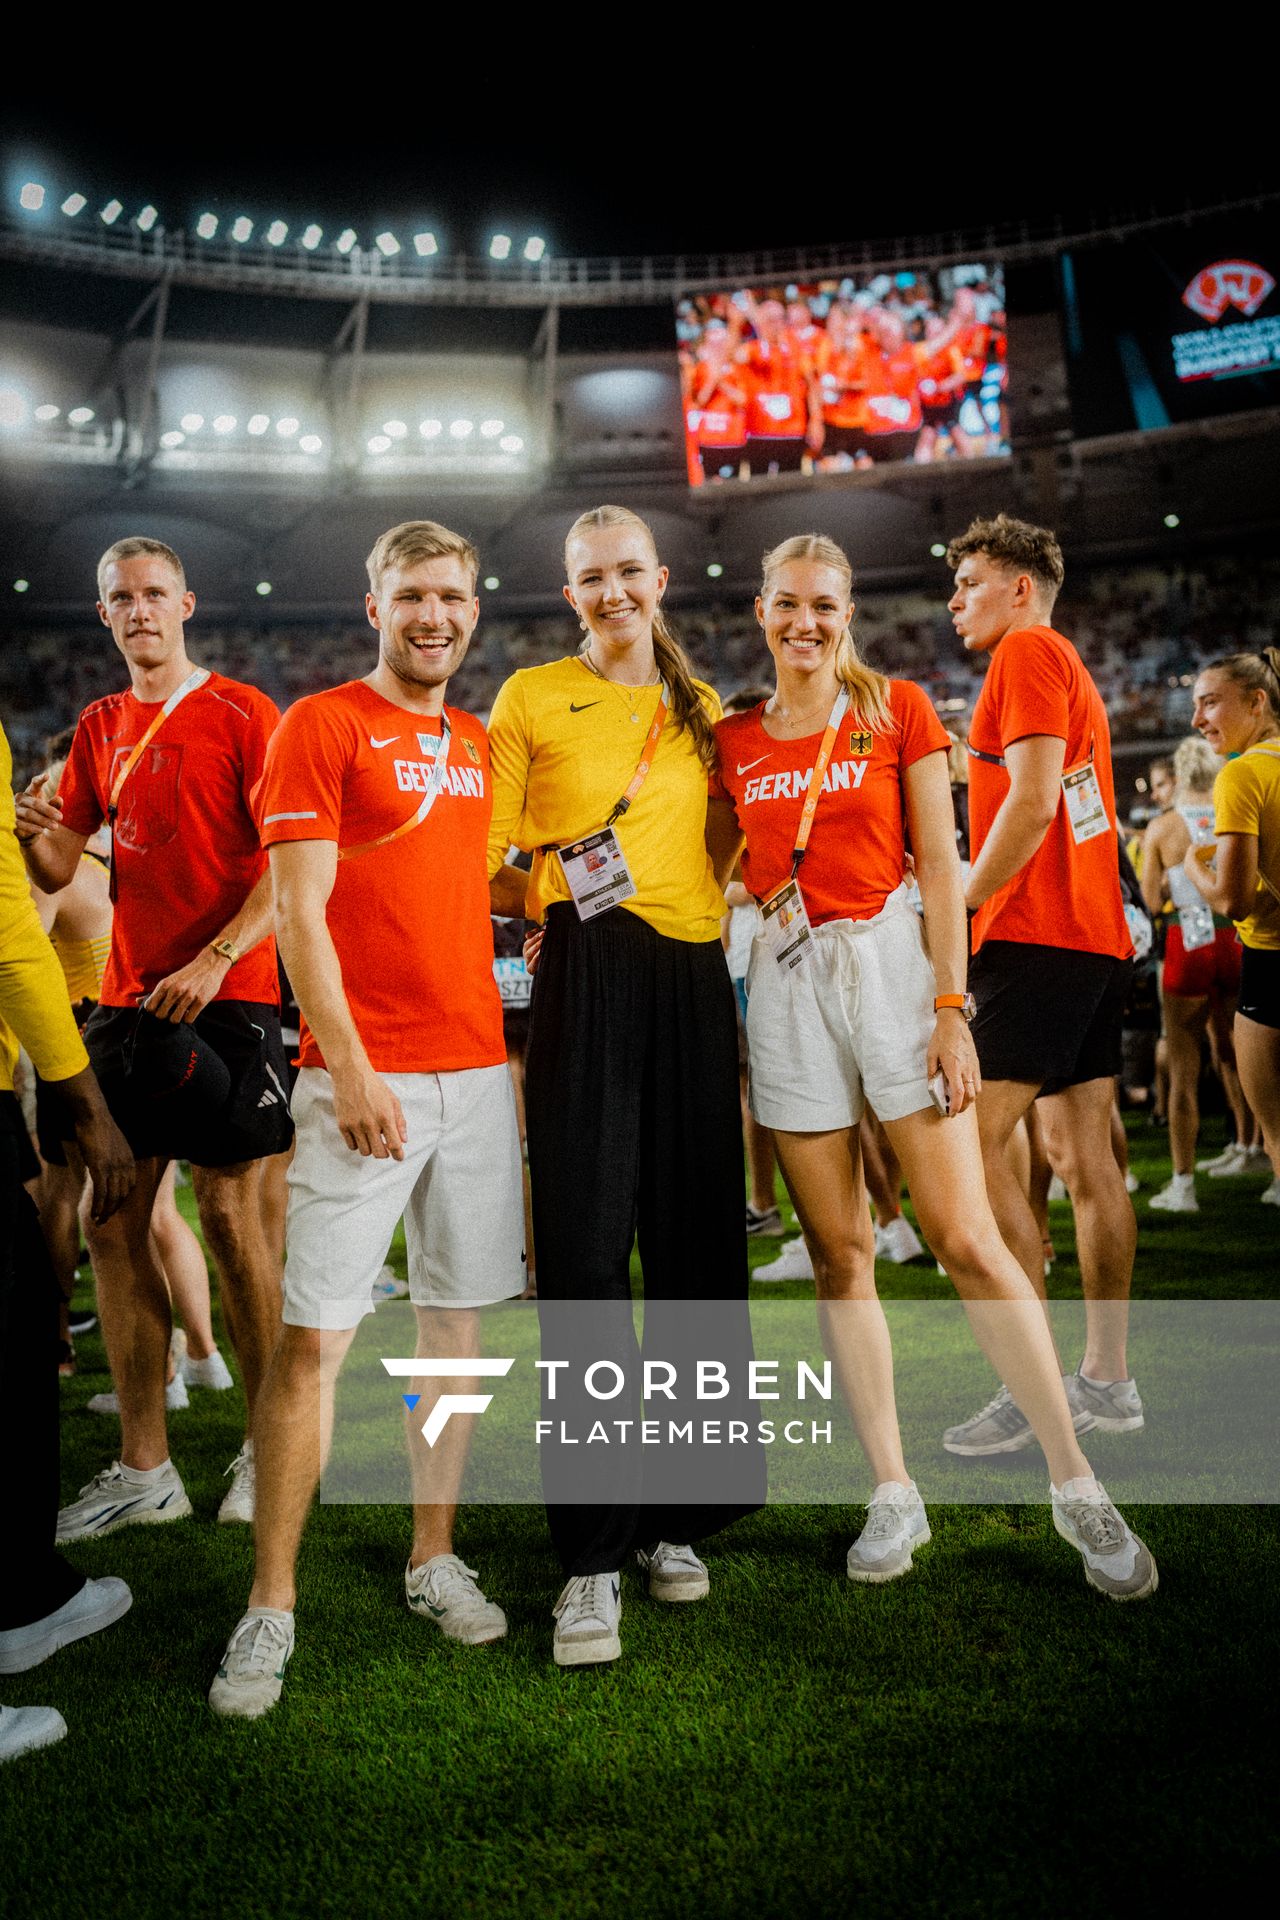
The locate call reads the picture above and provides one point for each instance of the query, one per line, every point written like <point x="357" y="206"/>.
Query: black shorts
<point x="252" y="1123"/>
<point x="783" y="451"/>
<point x="1260" y="986"/>
<point x="1048" y="1016"/>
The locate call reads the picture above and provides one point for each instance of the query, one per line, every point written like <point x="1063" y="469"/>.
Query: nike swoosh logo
<point x="383" y="743"/>
<point x="584" y="706"/>
<point x="753" y="763"/>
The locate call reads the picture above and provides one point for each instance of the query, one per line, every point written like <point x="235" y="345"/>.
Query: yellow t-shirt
<point x="563" y="748"/>
<point x="1246" y="799"/>
<point x="34" y="1008"/>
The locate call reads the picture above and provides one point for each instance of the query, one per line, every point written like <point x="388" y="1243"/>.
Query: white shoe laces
<point x="449" y="1581"/>
<point x="1099" y="1523"/>
<point x="257" y="1647"/>
<point x="886" y="1514"/>
<point x="241" y="1465"/>
<point x="588" y="1597"/>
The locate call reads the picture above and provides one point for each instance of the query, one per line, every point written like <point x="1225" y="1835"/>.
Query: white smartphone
<point x="938" y="1092"/>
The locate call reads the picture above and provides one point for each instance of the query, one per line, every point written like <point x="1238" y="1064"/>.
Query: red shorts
<point x="1205" y="970"/>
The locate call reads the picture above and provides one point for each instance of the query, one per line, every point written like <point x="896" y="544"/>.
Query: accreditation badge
<point x="597" y="872"/>
<point x="786" y="926"/>
<point x="515" y="988"/>
<point x="1086" y="815"/>
<point x="1195" y="923"/>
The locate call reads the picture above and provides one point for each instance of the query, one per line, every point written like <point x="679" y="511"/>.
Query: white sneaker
<point x="23" y="1729"/>
<point x="1271" y="1194"/>
<point x="1115" y="1561"/>
<point x="675" y="1573"/>
<point x="249" y="1680"/>
<point x="95" y="1605"/>
<point x="1178" y="1197"/>
<point x="899" y="1241"/>
<point x="389" y="1286"/>
<point x="121" y="1497"/>
<point x="1233" y="1159"/>
<point x="1057" y="1189"/>
<point x="212" y="1371"/>
<point x="1131" y="1182"/>
<point x="896" y="1524"/>
<point x="793" y="1263"/>
<point x="587" y="1615"/>
<point x="446" y="1592"/>
<point x="175" y="1398"/>
<point x="237" y="1502"/>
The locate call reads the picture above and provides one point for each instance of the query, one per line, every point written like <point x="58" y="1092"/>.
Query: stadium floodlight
<point x="492" y="582"/>
<point x="1171" y="521"/>
<point x="511" y="443"/>
<point x="74" y="203"/>
<point x="310" y="443"/>
<point x="13" y="407"/>
<point x="938" y="550"/>
<point x="191" y="422"/>
<point x="312" y="236"/>
<point x="500" y="246"/>
<point x="430" y="429"/>
<point x="459" y="429"/>
<point x="387" y="243"/>
<point x="173" y="438"/>
<point x="258" y="423"/>
<point x="492" y="428"/>
<point x="425" y="244"/>
<point x="534" y="247"/>
<point x="714" y="570"/>
<point x="394" y="429"/>
<point x="241" y="229"/>
<point x="345" y="240"/>
<point x="111" y="212"/>
<point x="80" y="416"/>
<point x="207" y="225"/>
<point x="21" y="586"/>
<point x="31" y="199"/>
<point x="263" y="587"/>
<point x="287" y="427"/>
<point x="225" y="423"/>
<point x="147" y="218"/>
<point x="48" y="411"/>
<point x="277" y="233"/>
<point x="379" y="443"/>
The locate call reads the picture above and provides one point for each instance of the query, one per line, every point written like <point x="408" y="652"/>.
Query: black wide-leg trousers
<point x="634" y="1129"/>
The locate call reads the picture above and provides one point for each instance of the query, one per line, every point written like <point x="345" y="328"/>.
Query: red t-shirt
<point x="1066" y="895"/>
<point x="186" y="849"/>
<point x="778" y="390"/>
<point x="409" y="920"/>
<point x="854" y="859"/>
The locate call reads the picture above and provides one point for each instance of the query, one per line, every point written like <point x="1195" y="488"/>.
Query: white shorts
<point x="459" y="1189"/>
<point x="856" y="1021"/>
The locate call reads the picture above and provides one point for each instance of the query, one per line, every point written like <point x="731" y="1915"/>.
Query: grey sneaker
<point x="896" y="1525"/>
<point x="237" y="1502"/>
<point x="1002" y="1427"/>
<point x="97" y="1604"/>
<point x="767" y="1222"/>
<point x="1115" y="1560"/>
<point x="249" y="1680"/>
<point x="675" y="1573"/>
<point x="23" y="1729"/>
<point x="587" y="1615"/>
<point x="1114" y="1404"/>
<point x="117" y="1498"/>
<point x="445" y="1591"/>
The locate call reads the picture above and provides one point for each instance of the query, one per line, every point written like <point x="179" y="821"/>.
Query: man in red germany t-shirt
<point x="1052" y="953"/>
<point x="375" y="806"/>
<point x="200" y="1075"/>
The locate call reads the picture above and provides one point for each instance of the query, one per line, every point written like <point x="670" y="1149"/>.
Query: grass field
<point x="986" y="1734"/>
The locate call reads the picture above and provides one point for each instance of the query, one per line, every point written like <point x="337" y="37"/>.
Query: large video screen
<point x="1174" y="326"/>
<point x="844" y="373"/>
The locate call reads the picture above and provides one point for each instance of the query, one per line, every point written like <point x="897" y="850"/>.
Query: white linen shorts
<point x="459" y="1189"/>
<point x="853" y="1025"/>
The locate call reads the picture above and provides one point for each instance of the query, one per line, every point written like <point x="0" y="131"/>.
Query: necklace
<point x="629" y="697"/>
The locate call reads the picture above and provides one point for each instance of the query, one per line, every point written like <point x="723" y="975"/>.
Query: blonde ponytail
<point x="868" y="690"/>
<point x="1253" y="673"/>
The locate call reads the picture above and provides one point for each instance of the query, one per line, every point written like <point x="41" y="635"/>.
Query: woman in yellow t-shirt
<point x="1238" y="711"/>
<point x="631" y="1072"/>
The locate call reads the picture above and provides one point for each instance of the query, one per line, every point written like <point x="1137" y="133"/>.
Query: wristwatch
<point x="963" y="1002"/>
<point x="225" y="950"/>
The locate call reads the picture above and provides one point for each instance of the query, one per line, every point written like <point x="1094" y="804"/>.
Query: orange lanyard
<point x="817" y="777"/>
<point x="650" y="748"/>
<point x="196" y="678"/>
<point x="435" y="786"/>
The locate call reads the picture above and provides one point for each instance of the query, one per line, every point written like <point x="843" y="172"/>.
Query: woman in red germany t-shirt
<point x="848" y="996"/>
